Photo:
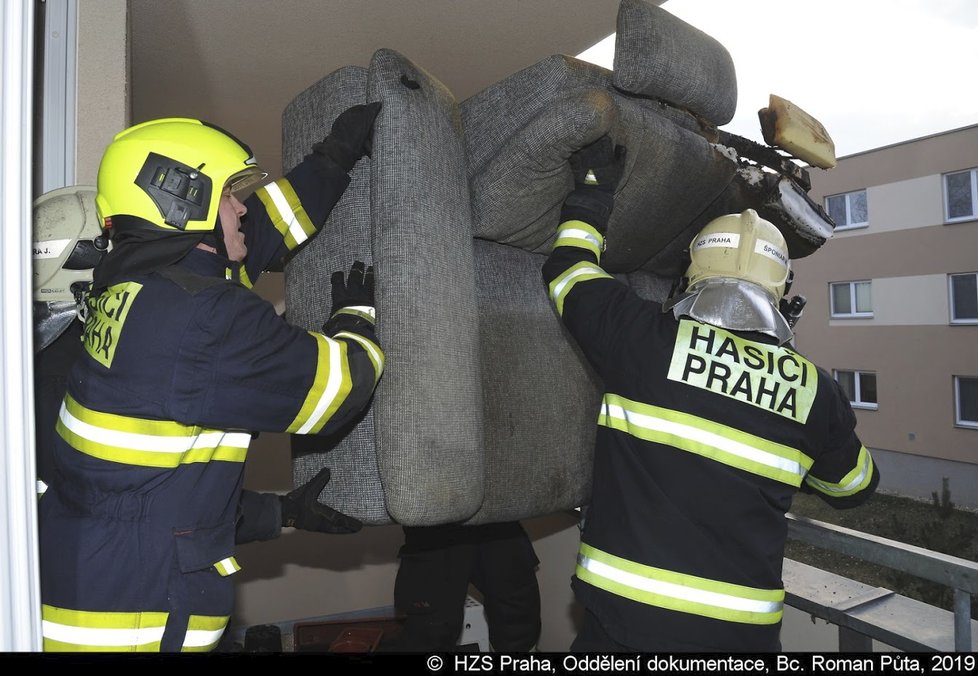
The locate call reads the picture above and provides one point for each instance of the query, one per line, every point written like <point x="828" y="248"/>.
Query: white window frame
<point x="854" y="314"/>
<point x="857" y="386"/>
<point x="849" y="224"/>
<point x="950" y="298"/>
<point x="974" y="197"/>
<point x="958" y="421"/>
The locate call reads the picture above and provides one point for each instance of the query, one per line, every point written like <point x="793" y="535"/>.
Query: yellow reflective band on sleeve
<point x="67" y="630"/>
<point x="204" y="633"/>
<point x="705" y="438"/>
<point x="330" y="386"/>
<point x="581" y="235"/>
<point x="147" y="443"/>
<point x="853" y="482"/>
<point x="373" y="351"/>
<point x="228" y="566"/>
<point x="678" y="591"/>
<point x="244" y="278"/>
<point x="579" y="272"/>
<point x="286" y="211"/>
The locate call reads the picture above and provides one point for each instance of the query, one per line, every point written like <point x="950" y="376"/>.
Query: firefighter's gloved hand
<point x="302" y="509"/>
<point x="792" y="309"/>
<point x="351" y="136"/>
<point x="599" y="165"/>
<point x="597" y="170"/>
<point x="358" y="289"/>
<point x="353" y="298"/>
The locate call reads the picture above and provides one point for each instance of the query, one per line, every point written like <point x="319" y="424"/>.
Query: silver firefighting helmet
<point x="68" y="243"/>
<point x="738" y="272"/>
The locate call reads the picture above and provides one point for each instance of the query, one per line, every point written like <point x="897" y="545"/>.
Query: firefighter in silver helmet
<point x="67" y="244"/>
<point x="739" y="272"/>
<point x="181" y="366"/>
<point x="709" y="424"/>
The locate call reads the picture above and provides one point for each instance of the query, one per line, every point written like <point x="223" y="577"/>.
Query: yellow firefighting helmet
<point x="170" y="173"/>
<point x="741" y="246"/>
<point x="68" y="244"/>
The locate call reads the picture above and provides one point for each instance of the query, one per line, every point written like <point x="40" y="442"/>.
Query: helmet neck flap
<point x="139" y="250"/>
<point x="732" y="304"/>
<point x="50" y="321"/>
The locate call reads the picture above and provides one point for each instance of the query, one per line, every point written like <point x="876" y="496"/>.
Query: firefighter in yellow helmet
<point x="708" y="426"/>
<point x="181" y="365"/>
<point x="68" y="244"/>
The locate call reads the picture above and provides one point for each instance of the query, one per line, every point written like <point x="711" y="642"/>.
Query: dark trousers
<point x="592" y="638"/>
<point x="437" y="565"/>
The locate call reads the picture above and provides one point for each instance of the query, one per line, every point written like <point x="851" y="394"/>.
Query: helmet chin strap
<point x="215" y="238"/>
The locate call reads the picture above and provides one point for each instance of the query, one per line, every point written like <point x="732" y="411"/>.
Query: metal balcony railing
<point x="863" y="612"/>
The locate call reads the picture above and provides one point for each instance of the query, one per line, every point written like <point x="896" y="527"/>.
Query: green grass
<point x="937" y="526"/>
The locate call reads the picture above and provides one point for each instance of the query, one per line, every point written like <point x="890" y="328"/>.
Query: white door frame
<point x="20" y="619"/>
<point x="60" y="77"/>
<point x="20" y="599"/>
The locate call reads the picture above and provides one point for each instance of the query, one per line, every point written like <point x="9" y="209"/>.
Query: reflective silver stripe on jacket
<point x="853" y="482"/>
<point x="148" y="443"/>
<point x="87" y="631"/>
<point x="285" y="210"/>
<point x="563" y="283"/>
<point x="705" y="438"/>
<point x="678" y="591"/>
<point x="582" y="235"/>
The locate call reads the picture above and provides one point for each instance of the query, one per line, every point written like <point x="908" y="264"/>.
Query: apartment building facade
<point x="893" y="307"/>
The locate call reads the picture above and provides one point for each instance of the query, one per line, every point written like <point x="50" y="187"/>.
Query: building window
<point x="966" y="402"/>
<point x="964" y="298"/>
<point x="851" y="299"/>
<point x="848" y="210"/>
<point x="860" y="387"/>
<point x="961" y="195"/>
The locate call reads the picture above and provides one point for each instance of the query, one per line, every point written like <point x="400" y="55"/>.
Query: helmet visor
<point x="245" y="181"/>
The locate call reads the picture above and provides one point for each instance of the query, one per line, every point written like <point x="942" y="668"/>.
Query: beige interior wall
<point x="306" y="575"/>
<point x="102" y="91"/>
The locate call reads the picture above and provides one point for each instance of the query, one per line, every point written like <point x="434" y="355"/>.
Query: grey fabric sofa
<point x="486" y="410"/>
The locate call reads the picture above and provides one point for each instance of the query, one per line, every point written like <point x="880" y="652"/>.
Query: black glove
<point x="792" y="309"/>
<point x="351" y="136"/>
<point x="597" y="169"/>
<point x="356" y="291"/>
<point x="302" y="509"/>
